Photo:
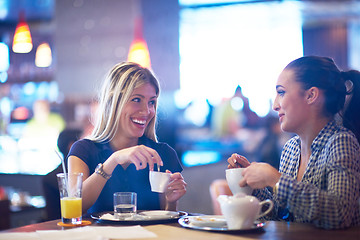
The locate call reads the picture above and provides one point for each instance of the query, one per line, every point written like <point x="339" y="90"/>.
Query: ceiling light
<point x="22" y="42"/>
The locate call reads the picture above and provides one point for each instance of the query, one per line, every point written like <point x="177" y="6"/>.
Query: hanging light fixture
<point x="43" y="57"/>
<point x="139" y="52"/>
<point x="22" y="42"/>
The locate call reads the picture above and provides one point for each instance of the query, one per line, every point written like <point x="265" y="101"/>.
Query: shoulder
<point x="343" y="139"/>
<point x="84" y="147"/>
<point x="158" y="146"/>
<point x="343" y="148"/>
<point x="292" y="143"/>
<point x="83" y="143"/>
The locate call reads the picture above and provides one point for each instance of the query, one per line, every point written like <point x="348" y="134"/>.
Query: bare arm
<point x="92" y="184"/>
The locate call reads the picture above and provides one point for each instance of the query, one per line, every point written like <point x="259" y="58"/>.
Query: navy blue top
<point x="129" y="180"/>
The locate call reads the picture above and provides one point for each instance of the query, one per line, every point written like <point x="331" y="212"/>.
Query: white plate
<point x="158" y="214"/>
<point x="143" y="217"/>
<point x="213" y="223"/>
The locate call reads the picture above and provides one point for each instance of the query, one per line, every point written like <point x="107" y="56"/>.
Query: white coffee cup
<point x="241" y="210"/>
<point x="159" y="181"/>
<point x="233" y="177"/>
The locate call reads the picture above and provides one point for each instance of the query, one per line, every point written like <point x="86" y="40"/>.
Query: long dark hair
<point x="322" y="72"/>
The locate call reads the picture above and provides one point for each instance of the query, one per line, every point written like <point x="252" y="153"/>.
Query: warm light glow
<point x="43" y="57"/>
<point x="22" y="42"/>
<point x="139" y="53"/>
<point x="4" y="57"/>
<point x="21" y="113"/>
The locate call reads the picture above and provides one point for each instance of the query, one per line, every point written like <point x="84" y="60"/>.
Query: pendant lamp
<point x="43" y="57"/>
<point x="139" y="52"/>
<point x="22" y="42"/>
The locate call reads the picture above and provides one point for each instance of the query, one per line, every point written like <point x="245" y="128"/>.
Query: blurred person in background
<point x="123" y="146"/>
<point x="228" y="117"/>
<point x="44" y="127"/>
<point x="319" y="177"/>
<point x="269" y="149"/>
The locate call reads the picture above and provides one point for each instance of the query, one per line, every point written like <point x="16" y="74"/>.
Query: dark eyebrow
<point x="279" y="86"/>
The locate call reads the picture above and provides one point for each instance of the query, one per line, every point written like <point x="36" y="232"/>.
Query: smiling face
<point x="138" y="112"/>
<point x="290" y="103"/>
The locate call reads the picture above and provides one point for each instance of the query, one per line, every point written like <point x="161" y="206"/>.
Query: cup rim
<point x="162" y="173"/>
<point x="233" y="169"/>
<point x="126" y="193"/>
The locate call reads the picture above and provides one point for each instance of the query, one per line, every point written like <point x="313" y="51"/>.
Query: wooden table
<point x="273" y="230"/>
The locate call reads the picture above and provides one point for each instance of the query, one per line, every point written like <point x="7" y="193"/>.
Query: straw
<point x="64" y="169"/>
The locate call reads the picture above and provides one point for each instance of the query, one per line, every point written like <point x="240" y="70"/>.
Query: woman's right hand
<point x="140" y="156"/>
<point x="237" y="161"/>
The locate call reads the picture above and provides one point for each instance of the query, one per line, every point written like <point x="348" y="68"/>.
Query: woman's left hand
<point x="176" y="188"/>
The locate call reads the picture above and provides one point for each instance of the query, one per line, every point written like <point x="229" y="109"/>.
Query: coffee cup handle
<point x="271" y="205"/>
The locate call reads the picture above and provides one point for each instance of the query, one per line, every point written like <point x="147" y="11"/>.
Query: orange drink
<point x="70" y="187"/>
<point x="71" y="207"/>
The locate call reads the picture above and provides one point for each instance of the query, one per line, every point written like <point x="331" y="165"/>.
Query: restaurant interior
<point x="217" y="62"/>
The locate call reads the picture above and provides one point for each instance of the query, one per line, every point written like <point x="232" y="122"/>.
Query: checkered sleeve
<point x="329" y="197"/>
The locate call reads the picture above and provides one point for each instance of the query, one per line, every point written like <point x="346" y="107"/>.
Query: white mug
<point x="233" y="177"/>
<point x="241" y="210"/>
<point x="159" y="181"/>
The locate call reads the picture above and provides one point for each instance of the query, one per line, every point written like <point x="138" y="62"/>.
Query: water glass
<point x="125" y="204"/>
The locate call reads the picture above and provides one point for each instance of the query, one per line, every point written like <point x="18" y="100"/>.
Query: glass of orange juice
<point x="70" y="187"/>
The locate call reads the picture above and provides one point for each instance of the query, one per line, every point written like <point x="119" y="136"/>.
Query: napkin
<point x="19" y="236"/>
<point x="74" y="234"/>
<point x="83" y="233"/>
<point x="108" y="216"/>
<point x="97" y="233"/>
<point x="111" y="217"/>
<point x="124" y="232"/>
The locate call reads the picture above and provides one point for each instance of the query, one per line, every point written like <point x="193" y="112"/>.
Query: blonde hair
<point x="118" y="86"/>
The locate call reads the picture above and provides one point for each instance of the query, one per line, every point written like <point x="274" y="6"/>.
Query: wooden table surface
<point x="271" y="231"/>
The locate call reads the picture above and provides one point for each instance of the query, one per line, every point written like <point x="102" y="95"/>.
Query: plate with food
<point x="213" y="223"/>
<point x="141" y="217"/>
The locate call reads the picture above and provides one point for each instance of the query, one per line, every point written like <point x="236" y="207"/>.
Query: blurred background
<point x="217" y="62"/>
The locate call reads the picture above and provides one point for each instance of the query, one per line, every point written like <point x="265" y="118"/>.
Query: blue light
<point x="3" y="77"/>
<point x="196" y="158"/>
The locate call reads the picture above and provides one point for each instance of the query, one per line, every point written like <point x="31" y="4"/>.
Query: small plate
<point x="214" y="223"/>
<point x="143" y="217"/>
<point x="158" y="214"/>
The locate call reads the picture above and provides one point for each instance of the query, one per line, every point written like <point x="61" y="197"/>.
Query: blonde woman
<point x="123" y="147"/>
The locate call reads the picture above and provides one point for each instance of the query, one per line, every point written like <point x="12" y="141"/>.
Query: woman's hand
<point x="140" y="156"/>
<point x="259" y="175"/>
<point x="176" y="188"/>
<point x="237" y="161"/>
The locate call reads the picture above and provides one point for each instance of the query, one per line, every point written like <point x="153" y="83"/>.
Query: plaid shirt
<point x="328" y="194"/>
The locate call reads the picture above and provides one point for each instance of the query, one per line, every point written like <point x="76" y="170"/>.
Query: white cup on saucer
<point x="241" y="210"/>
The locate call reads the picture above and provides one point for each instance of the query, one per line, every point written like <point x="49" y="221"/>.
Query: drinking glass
<point x="125" y="204"/>
<point x="70" y="187"/>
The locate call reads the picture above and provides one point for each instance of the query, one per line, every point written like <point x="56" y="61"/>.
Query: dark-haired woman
<point x="319" y="177"/>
